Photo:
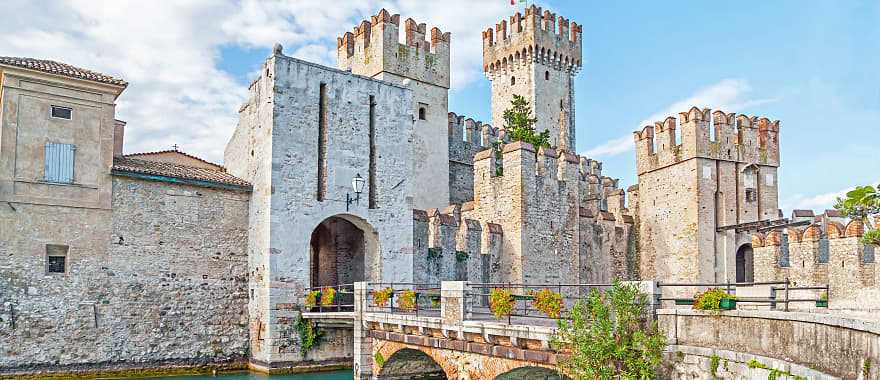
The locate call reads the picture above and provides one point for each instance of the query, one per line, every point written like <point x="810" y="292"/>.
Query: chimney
<point x="118" y="133"/>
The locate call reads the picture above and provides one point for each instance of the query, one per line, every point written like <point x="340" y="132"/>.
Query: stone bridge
<point x="449" y="343"/>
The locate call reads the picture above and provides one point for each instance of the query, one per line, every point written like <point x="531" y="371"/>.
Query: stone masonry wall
<point x="160" y="279"/>
<point x="281" y="119"/>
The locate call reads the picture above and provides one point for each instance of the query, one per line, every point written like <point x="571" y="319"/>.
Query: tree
<point x="520" y="124"/>
<point x="861" y="203"/>
<point x="611" y="337"/>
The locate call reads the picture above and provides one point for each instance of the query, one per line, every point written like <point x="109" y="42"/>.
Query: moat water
<point x="328" y="375"/>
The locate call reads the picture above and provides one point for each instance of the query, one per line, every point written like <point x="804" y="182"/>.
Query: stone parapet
<point x="533" y="37"/>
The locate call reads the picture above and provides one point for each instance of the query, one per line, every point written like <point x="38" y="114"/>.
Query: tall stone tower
<point x="373" y="50"/>
<point x="535" y="56"/>
<point x="689" y="191"/>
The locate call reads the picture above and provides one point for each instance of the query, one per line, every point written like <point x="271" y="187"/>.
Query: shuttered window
<point x="59" y="163"/>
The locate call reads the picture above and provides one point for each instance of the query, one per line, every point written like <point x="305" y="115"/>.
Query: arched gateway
<point x="343" y="249"/>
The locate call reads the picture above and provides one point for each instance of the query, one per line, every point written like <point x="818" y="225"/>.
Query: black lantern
<point x="357" y="184"/>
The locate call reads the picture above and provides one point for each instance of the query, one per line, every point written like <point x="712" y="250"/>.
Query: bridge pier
<point x="363" y="343"/>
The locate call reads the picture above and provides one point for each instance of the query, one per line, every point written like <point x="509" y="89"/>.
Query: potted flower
<point x="823" y="300"/>
<point x="381" y="297"/>
<point x="548" y="302"/>
<point x="312" y="298"/>
<point x="327" y="296"/>
<point x="714" y="300"/>
<point x="407" y="300"/>
<point x="501" y="302"/>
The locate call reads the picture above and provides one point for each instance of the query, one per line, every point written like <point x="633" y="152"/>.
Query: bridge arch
<point x="343" y="249"/>
<point x="532" y="373"/>
<point x="407" y="363"/>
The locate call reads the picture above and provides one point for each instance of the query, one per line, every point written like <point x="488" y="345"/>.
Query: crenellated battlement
<point x="471" y="132"/>
<point x="536" y="36"/>
<point x="373" y="47"/>
<point x="715" y="135"/>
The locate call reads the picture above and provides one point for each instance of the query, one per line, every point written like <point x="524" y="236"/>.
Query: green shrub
<point x="327" y="296"/>
<point x="711" y="299"/>
<point x="407" y="300"/>
<point x="611" y="336"/>
<point x="461" y="256"/>
<point x="381" y="297"/>
<point x="548" y="302"/>
<point x="312" y="298"/>
<point x="501" y="302"/>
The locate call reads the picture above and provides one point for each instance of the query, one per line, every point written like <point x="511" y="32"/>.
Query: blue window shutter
<point x="59" y="163"/>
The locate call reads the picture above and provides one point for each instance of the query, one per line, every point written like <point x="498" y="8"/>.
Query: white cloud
<point x="169" y="51"/>
<point x="729" y="95"/>
<point x="814" y="202"/>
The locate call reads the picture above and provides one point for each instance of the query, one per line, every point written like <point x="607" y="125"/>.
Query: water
<point x="328" y="375"/>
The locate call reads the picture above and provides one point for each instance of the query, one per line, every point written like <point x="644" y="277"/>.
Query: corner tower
<point x="692" y="193"/>
<point x="372" y="49"/>
<point x="535" y="56"/>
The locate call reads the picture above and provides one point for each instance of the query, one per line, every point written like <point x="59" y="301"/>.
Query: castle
<point x="354" y="173"/>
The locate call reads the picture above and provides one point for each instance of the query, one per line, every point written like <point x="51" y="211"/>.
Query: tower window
<point x="512" y="81"/>
<point x="423" y="113"/>
<point x="56" y="258"/>
<point x="62" y="112"/>
<point x="547" y="75"/>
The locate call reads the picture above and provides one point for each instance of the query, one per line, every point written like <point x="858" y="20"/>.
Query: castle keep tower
<point x="689" y="191"/>
<point x="535" y="56"/>
<point x="373" y="50"/>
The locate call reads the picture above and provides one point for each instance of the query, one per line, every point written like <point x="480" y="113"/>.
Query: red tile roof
<point x="59" y="68"/>
<point x="122" y="165"/>
<point x="146" y="156"/>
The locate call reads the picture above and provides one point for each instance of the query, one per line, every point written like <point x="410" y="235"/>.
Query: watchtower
<point x="372" y="49"/>
<point x="691" y="194"/>
<point x="535" y="56"/>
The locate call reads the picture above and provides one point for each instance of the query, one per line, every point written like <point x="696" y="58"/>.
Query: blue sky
<point x="811" y="64"/>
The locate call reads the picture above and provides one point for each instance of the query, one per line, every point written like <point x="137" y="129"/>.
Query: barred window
<point x="56" y="258"/>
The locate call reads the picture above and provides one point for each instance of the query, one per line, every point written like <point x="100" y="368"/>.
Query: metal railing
<point x="343" y="298"/>
<point x="426" y="302"/>
<point x="730" y="287"/>
<point x="477" y="298"/>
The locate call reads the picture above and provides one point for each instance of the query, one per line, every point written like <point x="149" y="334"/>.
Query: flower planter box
<point x="727" y="304"/>
<point x="822" y="303"/>
<point x="684" y="301"/>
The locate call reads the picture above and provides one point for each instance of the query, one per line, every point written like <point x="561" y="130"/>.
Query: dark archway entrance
<point x="745" y="264"/>
<point x="338" y="249"/>
<point x="408" y="364"/>
<point x="532" y="373"/>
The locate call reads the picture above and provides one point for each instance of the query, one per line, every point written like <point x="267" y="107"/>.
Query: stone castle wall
<point x="282" y="120"/>
<point x="828" y="253"/>
<point x="421" y="65"/>
<point x="722" y="172"/>
<point x="162" y="278"/>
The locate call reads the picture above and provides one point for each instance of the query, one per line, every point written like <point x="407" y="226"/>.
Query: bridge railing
<point x="403" y="298"/>
<point x="342" y="299"/>
<point x="777" y="292"/>
<point x="524" y="296"/>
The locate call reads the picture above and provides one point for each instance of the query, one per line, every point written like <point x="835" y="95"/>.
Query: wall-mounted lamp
<point x="357" y="183"/>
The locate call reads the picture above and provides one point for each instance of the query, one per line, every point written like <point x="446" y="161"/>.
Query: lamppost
<point x="357" y="183"/>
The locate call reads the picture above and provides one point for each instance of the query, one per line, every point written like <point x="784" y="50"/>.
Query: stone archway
<point x="408" y="363"/>
<point x="745" y="264"/>
<point x="343" y="249"/>
<point x="532" y="373"/>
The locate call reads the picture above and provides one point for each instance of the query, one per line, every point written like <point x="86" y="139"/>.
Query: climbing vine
<point x="774" y="374"/>
<point x="309" y="334"/>
<point x="380" y="360"/>
<point x="714" y="361"/>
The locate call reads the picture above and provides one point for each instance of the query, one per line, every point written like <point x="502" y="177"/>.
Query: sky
<point x="814" y="65"/>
